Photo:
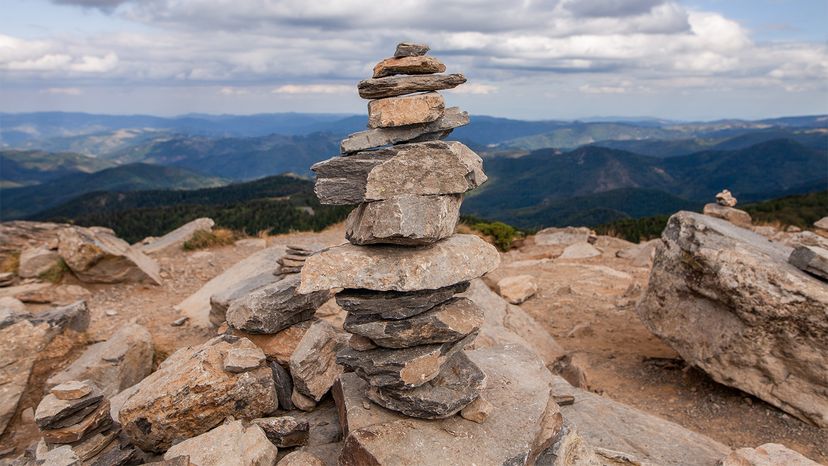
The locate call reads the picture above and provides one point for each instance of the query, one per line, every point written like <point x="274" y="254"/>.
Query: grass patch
<point x="203" y="239"/>
<point x="56" y="272"/>
<point x="10" y="263"/>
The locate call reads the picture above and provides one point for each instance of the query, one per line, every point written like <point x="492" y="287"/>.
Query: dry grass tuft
<point x="203" y="239"/>
<point x="10" y="263"/>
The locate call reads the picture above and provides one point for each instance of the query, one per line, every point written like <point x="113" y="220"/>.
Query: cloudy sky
<point x="685" y="59"/>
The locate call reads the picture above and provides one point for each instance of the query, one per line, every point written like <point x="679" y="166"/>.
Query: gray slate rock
<point x="393" y="86"/>
<point x="409" y="220"/>
<point x="284" y="385"/>
<point x="410" y="49"/>
<point x="811" y="259"/>
<point x="284" y="431"/>
<point x="452" y="118"/>
<point x="52" y="410"/>
<point x="313" y="363"/>
<point x="445" y="323"/>
<point x="274" y="307"/>
<point x="221" y="301"/>
<point x="434" y="167"/>
<point x="396" y="304"/>
<point x="458" y="384"/>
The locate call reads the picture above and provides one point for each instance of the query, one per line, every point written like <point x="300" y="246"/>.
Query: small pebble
<point x="180" y="321"/>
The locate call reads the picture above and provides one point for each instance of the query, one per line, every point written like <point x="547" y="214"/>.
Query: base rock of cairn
<point x="404" y="265"/>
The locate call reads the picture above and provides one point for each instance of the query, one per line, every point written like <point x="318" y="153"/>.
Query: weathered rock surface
<point x="769" y="454"/>
<point x="734" y="216"/>
<point x="408" y="220"/>
<point x="191" y="393"/>
<point x="72" y="390"/>
<point x="401" y="368"/>
<point x="37" y="261"/>
<point x="231" y="444"/>
<point x="393" y="86"/>
<point x="725" y="198"/>
<point x="59" y="295"/>
<point x="728" y="301"/>
<point x="61" y="456"/>
<point x="274" y="307"/>
<point x="579" y="251"/>
<point x="281" y="345"/>
<point x="423" y="168"/>
<point x="284" y="385"/>
<point x="405" y="110"/>
<point x="313" y="364"/>
<point x="410" y="49"/>
<point x="409" y="64"/>
<point x="520" y="426"/>
<point x="452" y="118"/>
<point x="811" y="259"/>
<point x="95" y="420"/>
<point x="177" y="237"/>
<point x="453" y="260"/>
<point x="517" y="289"/>
<point x="113" y="365"/>
<point x="562" y="236"/>
<point x="240" y="360"/>
<point x="53" y="412"/>
<point x="444" y="323"/>
<point x="96" y="255"/>
<point x="6" y="279"/>
<point x="284" y="431"/>
<point x="395" y="304"/>
<point x="301" y="458"/>
<point x="221" y="301"/>
<point x="477" y="411"/>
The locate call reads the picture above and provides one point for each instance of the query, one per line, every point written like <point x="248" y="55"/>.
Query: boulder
<point x="562" y="236"/>
<point x="517" y="289"/>
<point x="203" y="394"/>
<point x="405" y="110"/>
<point x="113" y="365"/>
<point x="219" y="302"/>
<point x="811" y="259"/>
<point x="59" y="295"/>
<point x="394" y="304"/>
<point x="581" y="250"/>
<point x="96" y="255"/>
<point x="393" y="86"/>
<point x="734" y="216"/>
<point x="728" y="301"/>
<point x="407" y="219"/>
<point x="274" y="307"/>
<point x="197" y="306"/>
<point x="176" y="238"/>
<point x="313" y="365"/>
<point x="409" y="64"/>
<point x="769" y="454"/>
<point x="452" y="118"/>
<point x="284" y="431"/>
<point x="231" y="444"/>
<point x="422" y="168"/>
<point x="410" y="49"/>
<point x="37" y="261"/>
<point x="395" y="268"/>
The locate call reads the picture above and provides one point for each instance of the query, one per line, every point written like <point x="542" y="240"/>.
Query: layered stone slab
<point x="393" y="86"/>
<point x="410" y="49"/>
<point x="409" y="220"/>
<point x="395" y="268"/>
<point x="423" y="168"/>
<point x="405" y="110"/>
<point x="452" y="118"/>
<point x="393" y="304"/>
<point x="417" y="64"/>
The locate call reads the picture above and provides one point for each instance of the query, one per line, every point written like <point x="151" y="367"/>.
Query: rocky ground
<point x="586" y="303"/>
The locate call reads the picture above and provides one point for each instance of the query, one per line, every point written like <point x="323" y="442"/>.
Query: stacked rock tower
<point x="404" y="266"/>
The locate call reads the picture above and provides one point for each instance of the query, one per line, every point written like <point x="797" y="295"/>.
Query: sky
<point x="529" y="59"/>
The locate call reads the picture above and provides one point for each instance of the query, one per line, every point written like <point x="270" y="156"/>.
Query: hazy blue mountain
<point x="21" y="168"/>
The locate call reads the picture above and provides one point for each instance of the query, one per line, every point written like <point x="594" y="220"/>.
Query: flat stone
<point x="407" y="220"/>
<point x="60" y="295"/>
<point x="395" y="304"/>
<point x="423" y="168"/>
<point x="477" y="411"/>
<point x="281" y="345"/>
<point x="61" y="456"/>
<point x="580" y="251"/>
<point x="405" y="110"/>
<point x="37" y="261"/>
<point x="284" y="431"/>
<point x="52" y="410"/>
<point x="72" y="390"/>
<point x="769" y="454"/>
<point x="811" y="259"/>
<point x="393" y="86"/>
<point x="97" y="419"/>
<point x="410" y="49"/>
<point x="313" y="365"/>
<point x="452" y="118"/>
<point x="274" y="307"/>
<point x="458" y="384"/>
<point x="117" y="456"/>
<point x="91" y="446"/>
<point x="401" y="368"/>
<point x="360" y="343"/>
<point x="176" y="238"/>
<point x="219" y="302"/>
<point x="203" y="393"/>
<point x="408" y="65"/>
<point x="226" y="445"/>
<point x="734" y="216"/>
<point x="517" y="289"/>
<point x="240" y="360"/>
<point x="96" y="255"/>
<point x="445" y="323"/>
<point x="453" y="260"/>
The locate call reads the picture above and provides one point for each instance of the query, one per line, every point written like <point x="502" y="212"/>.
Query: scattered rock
<point x="726" y="199"/>
<point x="226" y="445"/>
<point x="61" y="456"/>
<point x="562" y="236"/>
<point x="176" y="238"/>
<point x="98" y="256"/>
<point x="274" y="307"/>
<point x="313" y="364"/>
<point x="583" y="329"/>
<point x="641" y="254"/>
<point x="769" y="454"/>
<point x="60" y="295"/>
<point x="395" y="305"/>
<point x="278" y="346"/>
<point x="37" y="261"/>
<point x="811" y="259"/>
<point x="284" y="431"/>
<point x="410" y="49"/>
<point x="517" y="289"/>
<point x="72" y="390"/>
<point x="477" y="411"/>
<point x="394" y="268"/>
<point x="579" y="251"/>
<point x="720" y="296"/>
<point x="302" y="402"/>
<point x="97" y="419"/>
<point x="180" y="321"/>
<point x="53" y="412"/>
<point x="240" y="360"/>
<point x="301" y="458"/>
<point x="408" y="220"/>
<point x="734" y="216"/>
<point x="408" y="64"/>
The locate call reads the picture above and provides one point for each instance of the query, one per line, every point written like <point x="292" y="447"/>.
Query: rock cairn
<point x="404" y="266"/>
<point x="725" y="209"/>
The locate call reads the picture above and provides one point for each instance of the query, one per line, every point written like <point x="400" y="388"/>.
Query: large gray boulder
<point x="728" y="301"/>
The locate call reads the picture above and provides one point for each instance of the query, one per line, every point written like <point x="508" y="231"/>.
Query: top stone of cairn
<point x="409" y="49"/>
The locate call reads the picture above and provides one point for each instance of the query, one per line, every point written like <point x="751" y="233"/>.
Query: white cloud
<point x="474" y="88"/>
<point x="314" y="89"/>
<point x="233" y="91"/>
<point x="62" y="91"/>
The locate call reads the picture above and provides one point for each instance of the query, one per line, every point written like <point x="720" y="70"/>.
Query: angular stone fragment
<point x="410" y="49"/>
<point x="393" y="86"/>
<point x="408" y="65"/>
<point x="240" y="360"/>
<point x="424" y="168"/>
<point x="176" y="238"/>
<point x="580" y="251"/>
<point x="769" y="454"/>
<point x="445" y="323"/>
<point x="37" y="261"/>
<point x="395" y="268"/>
<point x="734" y="216"/>
<point x="284" y="385"/>
<point x="313" y="365"/>
<point x="97" y="419"/>
<point x="72" y="390"/>
<point x="725" y="198"/>
<point x="452" y="118"/>
<point x="284" y="431"/>
<point x="458" y="384"/>
<point x="517" y="289"/>
<point x="360" y="343"/>
<point x="405" y="110"/>
<point x="52" y="410"/>
<point x="61" y="456"/>
<point x="409" y="220"/>
<point x="401" y="368"/>
<point x="219" y="302"/>
<point x="278" y="346"/>
<point x="395" y="304"/>
<point x="274" y="307"/>
<point x="229" y="444"/>
<point x="477" y="411"/>
<point x="302" y="402"/>
<point x="91" y="446"/>
<point x="98" y="256"/>
<point x="811" y="259"/>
